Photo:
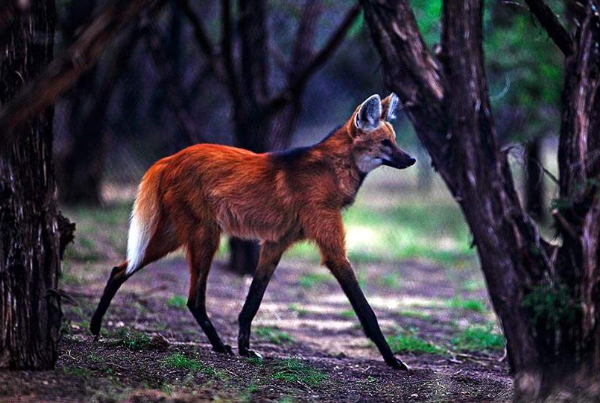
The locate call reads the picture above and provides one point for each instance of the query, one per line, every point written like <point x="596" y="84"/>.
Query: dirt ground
<point x="152" y="350"/>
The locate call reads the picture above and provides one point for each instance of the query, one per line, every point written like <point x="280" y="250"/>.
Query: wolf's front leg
<point x="328" y="232"/>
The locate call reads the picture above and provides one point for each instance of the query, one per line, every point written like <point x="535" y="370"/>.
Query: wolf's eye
<point x="386" y="143"/>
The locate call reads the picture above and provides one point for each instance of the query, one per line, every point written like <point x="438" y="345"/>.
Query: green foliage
<point x="550" y="304"/>
<point x="131" y="339"/>
<point x="348" y="313"/>
<point x="177" y="301"/>
<point x="473" y="305"/>
<point x="293" y="370"/>
<point x="410" y="343"/>
<point x="428" y="14"/>
<point x="478" y="338"/>
<point x="273" y="336"/>
<point x="524" y="69"/>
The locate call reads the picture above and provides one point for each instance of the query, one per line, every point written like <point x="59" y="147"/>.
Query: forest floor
<point x="422" y="280"/>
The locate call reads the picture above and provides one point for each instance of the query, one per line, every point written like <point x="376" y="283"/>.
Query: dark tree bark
<point x="546" y="296"/>
<point x="30" y="245"/>
<point x="535" y="201"/>
<point x="263" y="122"/>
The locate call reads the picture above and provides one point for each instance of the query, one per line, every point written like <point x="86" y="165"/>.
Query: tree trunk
<point x="534" y="179"/>
<point x="546" y="296"/>
<point x="30" y="311"/>
<point x="252" y="128"/>
<point x="81" y="168"/>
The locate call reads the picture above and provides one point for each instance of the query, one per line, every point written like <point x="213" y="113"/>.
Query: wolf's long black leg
<point x="270" y="254"/>
<point x="200" y="256"/>
<point x="115" y="281"/>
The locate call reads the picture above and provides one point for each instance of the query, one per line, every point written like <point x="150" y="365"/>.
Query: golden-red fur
<point x="189" y="199"/>
<point x="207" y="189"/>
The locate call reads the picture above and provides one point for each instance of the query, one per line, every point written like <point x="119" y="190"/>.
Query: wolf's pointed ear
<point x="369" y="113"/>
<point x="389" y="105"/>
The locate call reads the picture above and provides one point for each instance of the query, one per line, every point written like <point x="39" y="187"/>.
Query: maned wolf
<point x="189" y="199"/>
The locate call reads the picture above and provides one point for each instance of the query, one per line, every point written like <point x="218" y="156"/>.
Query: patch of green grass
<point x="298" y="309"/>
<point x="77" y="371"/>
<point x="391" y="280"/>
<point x="311" y="280"/>
<point x="429" y="230"/>
<point x="131" y="339"/>
<point x="348" y="313"/>
<point x="255" y="361"/>
<point x="182" y="362"/>
<point x="478" y="338"/>
<point x="177" y="301"/>
<point x="273" y="336"/>
<point x="410" y="343"/>
<point x="472" y="285"/>
<point x="473" y="305"/>
<point x="408" y="313"/>
<point x="294" y="370"/>
<point x="101" y="232"/>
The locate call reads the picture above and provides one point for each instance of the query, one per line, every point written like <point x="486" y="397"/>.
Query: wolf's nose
<point x="411" y="161"/>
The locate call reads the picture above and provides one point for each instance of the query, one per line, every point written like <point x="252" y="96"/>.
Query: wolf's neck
<point x="336" y="150"/>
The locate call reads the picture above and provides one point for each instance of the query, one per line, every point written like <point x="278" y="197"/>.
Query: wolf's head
<point x="373" y="137"/>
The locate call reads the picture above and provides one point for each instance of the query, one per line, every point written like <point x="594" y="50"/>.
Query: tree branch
<point x="552" y="25"/>
<point x="227" y="50"/>
<point x="305" y="36"/>
<point x="334" y="41"/>
<point x="411" y="72"/>
<point x="203" y="40"/>
<point x="63" y="73"/>
<point x="173" y="90"/>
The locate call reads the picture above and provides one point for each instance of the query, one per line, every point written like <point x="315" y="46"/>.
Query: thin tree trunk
<point x="79" y="181"/>
<point x="534" y="179"/>
<point x="30" y="311"/>
<point x="83" y="167"/>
